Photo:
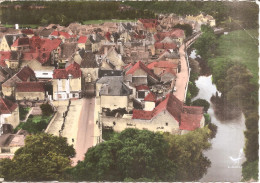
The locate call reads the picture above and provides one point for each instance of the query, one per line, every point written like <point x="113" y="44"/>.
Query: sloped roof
<point x="88" y="60"/>
<point x="82" y="39"/>
<point x="27" y="31"/>
<point x="30" y="87"/>
<point x="60" y="33"/>
<point x="189" y="117"/>
<point x="142" y="87"/>
<point x="21" y="42"/>
<point x="4" y="56"/>
<point x="25" y="73"/>
<point x="72" y="69"/>
<point x="113" y="86"/>
<point x="151" y="97"/>
<point x="67" y="49"/>
<point x="140" y="65"/>
<point x="7" y="106"/>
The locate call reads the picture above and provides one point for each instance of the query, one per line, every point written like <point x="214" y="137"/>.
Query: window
<point x="114" y="123"/>
<point x="166" y="124"/>
<point x="44" y="73"/>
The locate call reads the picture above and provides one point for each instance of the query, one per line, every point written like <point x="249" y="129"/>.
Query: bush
<point x="207" y="118"/>
<point x="202" y="103"/>
<point x="46" y="109"/>
<point x="194" y="90"/>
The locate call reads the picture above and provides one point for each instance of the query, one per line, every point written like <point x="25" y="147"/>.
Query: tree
<point x="46" y="109"/>
<point x="44" y="157"/>
<point x="202" y="103"/>
<point x="250" y="171"/>
<point x="132" y="154"/>
<point x="206" y="44"/>
<point x="186" y="152"/>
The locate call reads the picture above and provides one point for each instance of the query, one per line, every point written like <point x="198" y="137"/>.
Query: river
<point x="226" y="154"/>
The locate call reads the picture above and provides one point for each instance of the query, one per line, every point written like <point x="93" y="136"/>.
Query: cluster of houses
<point x="131" y="69"/>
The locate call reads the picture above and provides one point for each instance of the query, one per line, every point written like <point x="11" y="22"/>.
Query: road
<point x="183" y="76"/>
<point x="85" y="136"/>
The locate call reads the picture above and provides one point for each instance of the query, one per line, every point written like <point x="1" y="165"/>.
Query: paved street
<point x="183" y="76"/>
<point x="86" y="124"/>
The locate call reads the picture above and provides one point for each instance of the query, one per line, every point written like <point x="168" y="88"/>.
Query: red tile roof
<point x="140" y="65"/>
<point x="73" y="69"/>
<point x="175" y="33"/>
<point x="60" y="33"/>
<point x="151" y="65"/>
<point x="21" y="42"/>
<point x="190" y="121"/>
<point x="141" y="114"/>
<point x="25" y="73"/>
<point x="50" y="45"/>
<point x="4" y="56"/>
<point x="7" y="106"/>
<point x="27" y="31"/>
<point x="149" y="23"/>
<point x="30" y="87"/>
<point x="41" y="49"/>
<point x="165" y="64"/>
<point x="189" y="117"/>
<point x="82" y="39"/>
<point x="165" y="46"/>
<point x="142" y="87"/>
<point x="151" y="97"/>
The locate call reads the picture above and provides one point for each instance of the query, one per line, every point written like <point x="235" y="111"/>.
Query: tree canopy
<point x="206" y="44"/>
<point x="132" y="154"/>
<point x="186" y="151"/>
<point x="44" y="157"/>
<point x="141" y="155"/>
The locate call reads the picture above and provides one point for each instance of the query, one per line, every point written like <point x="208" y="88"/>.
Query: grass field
<point x="103" y="21"/>
<point x="33" y="26"/>
<point x="238" y="46"/>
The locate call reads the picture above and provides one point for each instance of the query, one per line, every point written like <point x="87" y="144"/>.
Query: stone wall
<point x="30" y="96"/>
<point x="163" y="122"/>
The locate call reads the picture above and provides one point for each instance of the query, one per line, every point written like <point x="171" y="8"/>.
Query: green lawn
<point x="33" y="26"/>
<point x="23" y="111"/>
<point x="37" y="119"/>
<point x="34" y="124"/>
<point x="238" y="46"/>
<point x="103" y="21"/>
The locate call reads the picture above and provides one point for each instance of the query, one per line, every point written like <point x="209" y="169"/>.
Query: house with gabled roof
<point x="20" y="44"/>
<point x="30" y="91"/>
<point x="139" y="74"/>
<point x="170" y="115"/>
<point x="112" y="60"/>
<point x="9" y="113"/>
<point x="82" y="42"/>
<point x="112" y="93"/>
<point x="64" y="36"/>
<point x="9" y="40"/>
<point x="67" y="82"/>
<point x="25" y="74"/>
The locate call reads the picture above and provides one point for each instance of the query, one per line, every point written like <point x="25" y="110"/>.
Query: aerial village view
<point x="128" y="91"/>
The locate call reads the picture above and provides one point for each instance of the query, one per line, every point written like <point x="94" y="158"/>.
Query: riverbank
<point x="234" y="69"/>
